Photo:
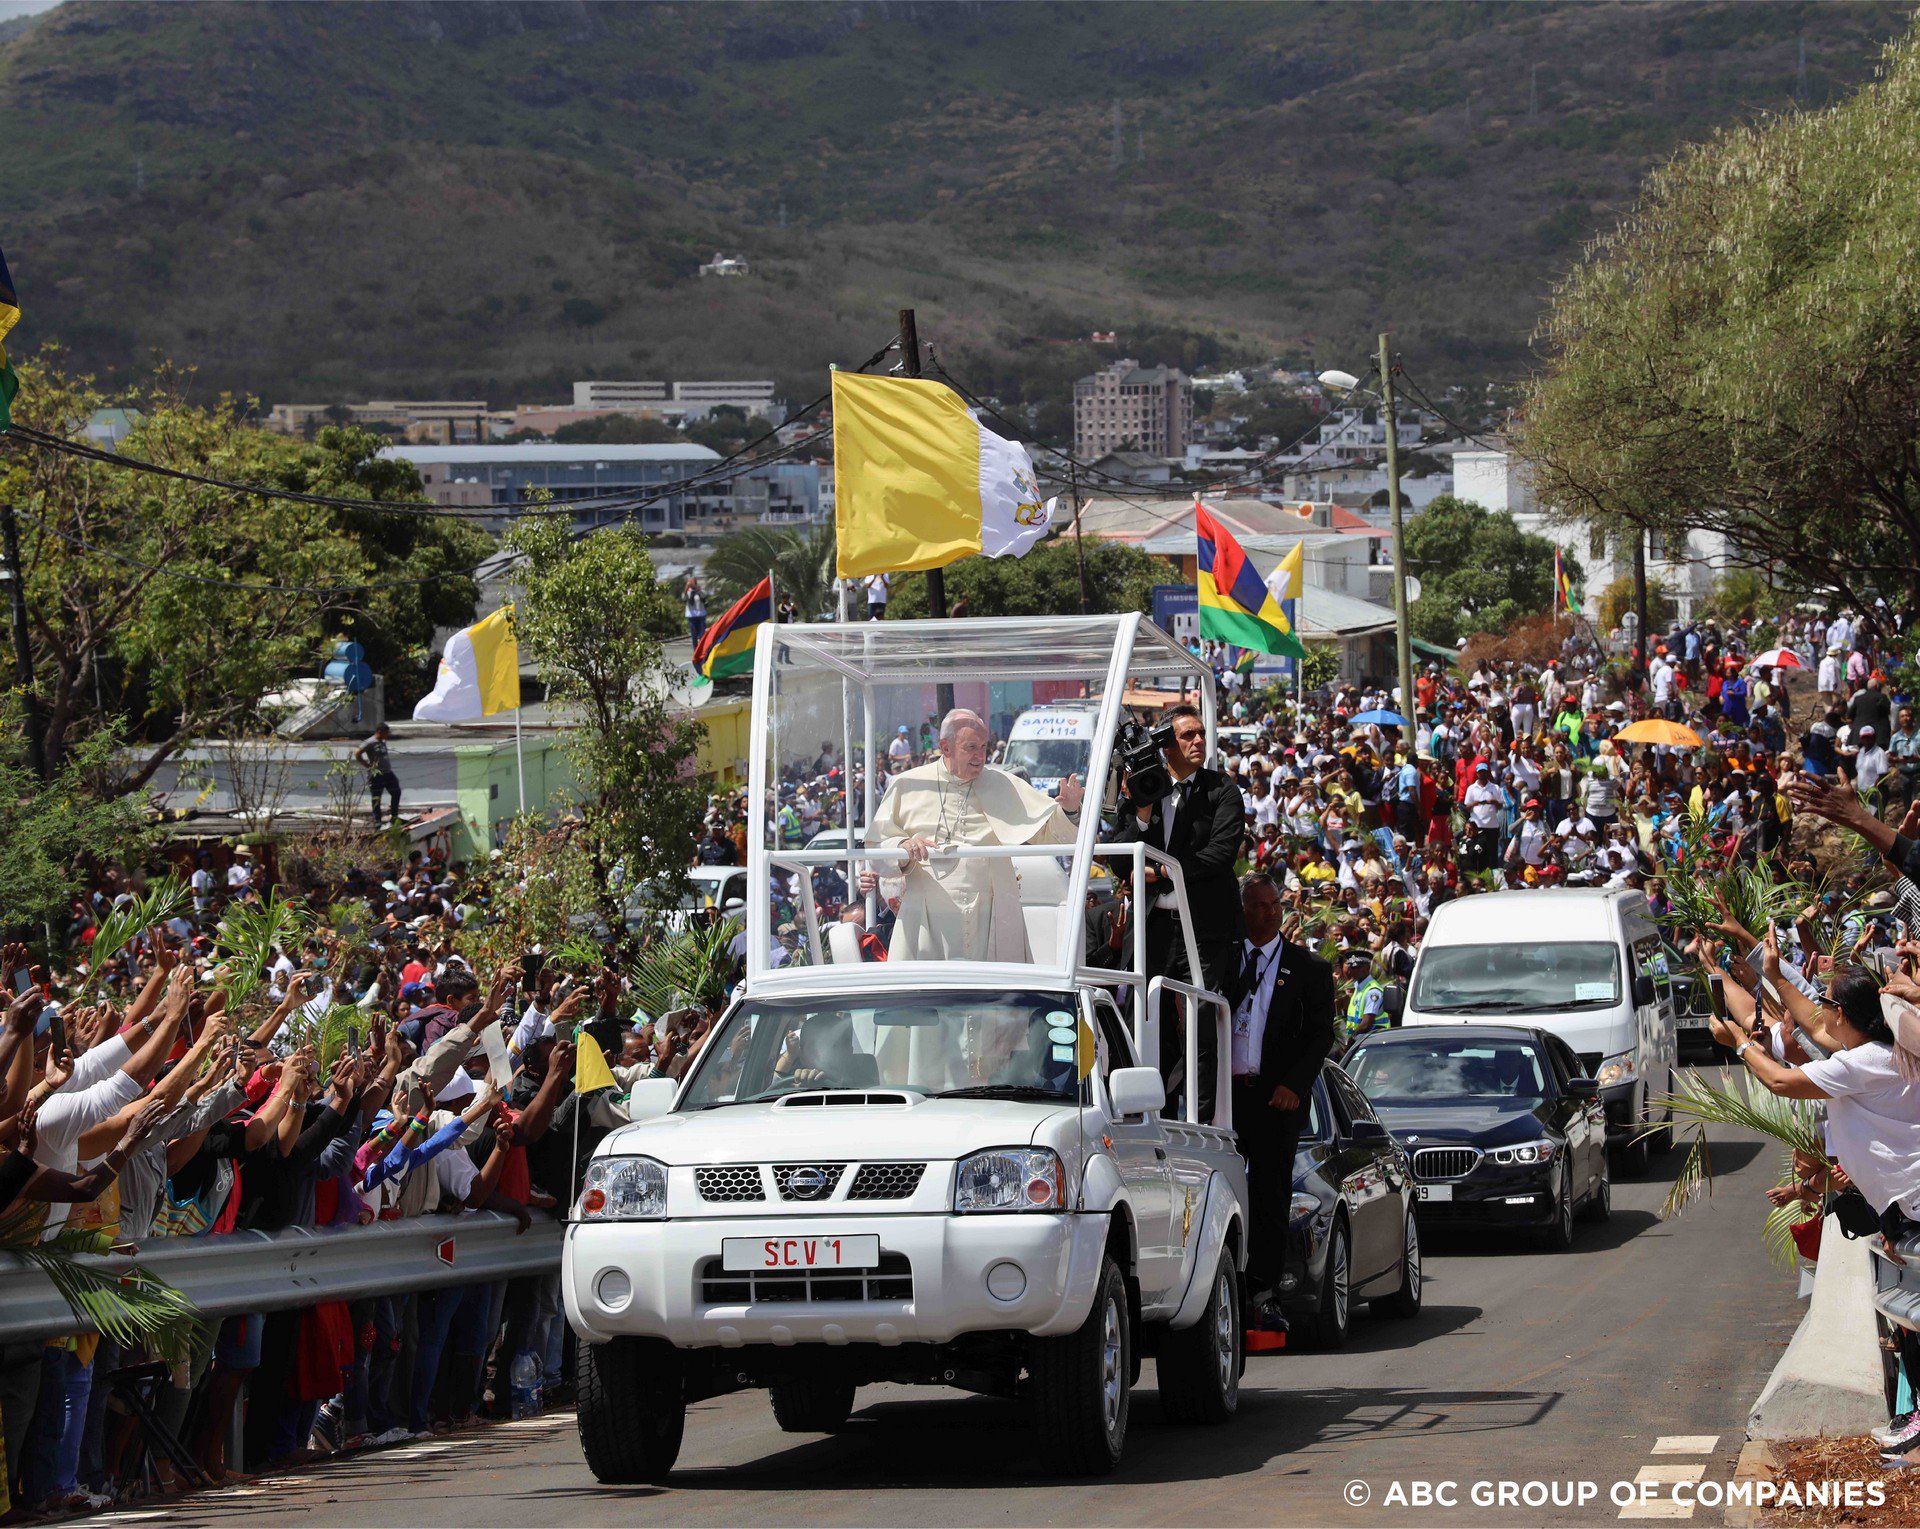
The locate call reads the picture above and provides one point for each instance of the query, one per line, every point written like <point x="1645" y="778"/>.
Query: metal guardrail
<point x="1896" y="1286"/>
<point x="273" y="1271"/>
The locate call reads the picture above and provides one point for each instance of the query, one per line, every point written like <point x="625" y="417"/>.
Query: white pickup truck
<point x="992" y="1222"/>
<point x="951" y="1173"/>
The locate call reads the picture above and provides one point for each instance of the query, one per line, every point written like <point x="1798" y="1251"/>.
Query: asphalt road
<point x="1641" y="1348"/>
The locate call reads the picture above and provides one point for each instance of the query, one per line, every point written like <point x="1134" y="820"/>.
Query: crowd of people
<point x="360" y="1085"/>
<point x="379" y="1076"/>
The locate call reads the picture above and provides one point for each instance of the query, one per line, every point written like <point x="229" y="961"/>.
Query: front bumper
<point x="1492" y="1196"/>
<point x="1058" y="1255"/>
<point x="1623" y="1121"/>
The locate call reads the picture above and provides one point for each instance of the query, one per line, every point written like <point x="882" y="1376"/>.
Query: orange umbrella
<point x="1659" y="730"/>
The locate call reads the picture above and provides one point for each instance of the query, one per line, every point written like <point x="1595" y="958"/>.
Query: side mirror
<point x="731" y="903"/>
<point x="1137" y="1091"/>
<point x="1582" y="1088"/>
<point x="1643" y="992"/>
<point x="650" y="1097"/>
<point x="1369" y="1133"/>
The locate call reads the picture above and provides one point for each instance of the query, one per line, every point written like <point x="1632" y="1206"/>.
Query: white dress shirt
<point x="1250" y="1017"/>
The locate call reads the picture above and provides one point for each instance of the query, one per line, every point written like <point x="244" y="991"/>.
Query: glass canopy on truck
<point x="848" y="776"/>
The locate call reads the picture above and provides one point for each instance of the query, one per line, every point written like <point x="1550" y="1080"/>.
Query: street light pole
<point x="1402" y="643"/>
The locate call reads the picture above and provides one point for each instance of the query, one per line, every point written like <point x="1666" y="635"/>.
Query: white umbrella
<point x="1778" y="658"/>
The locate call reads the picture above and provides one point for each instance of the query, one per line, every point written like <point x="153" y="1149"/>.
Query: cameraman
<point x="1198" y="824"/>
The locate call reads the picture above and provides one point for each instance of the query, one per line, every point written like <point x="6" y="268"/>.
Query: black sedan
<point x="1352" y="1235"/>
<point x="1501" y="1124"/>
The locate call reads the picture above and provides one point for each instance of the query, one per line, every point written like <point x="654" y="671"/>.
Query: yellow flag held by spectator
<point x="920" y="483"/>
<point x="590" y="1070"/>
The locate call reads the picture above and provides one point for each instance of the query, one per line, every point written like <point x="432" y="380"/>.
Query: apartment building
<point x="1130" y="407"/>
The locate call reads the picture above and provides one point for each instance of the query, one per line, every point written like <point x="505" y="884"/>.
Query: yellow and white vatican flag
<point x="920" y="483"/>
<point x="479" y="673"/>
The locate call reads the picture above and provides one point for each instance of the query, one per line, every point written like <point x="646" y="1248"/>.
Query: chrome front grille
<point x="733" y="1182"/>
<point x="807" y="1181"/>
<point x="1444" y="1162"/>
<point x="886" y="1181"/>
<point x="891" y="1280"/>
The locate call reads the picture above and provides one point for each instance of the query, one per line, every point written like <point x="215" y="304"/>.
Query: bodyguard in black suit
<point x="1284" y="1029"/>
<point x="1199" y="824"/>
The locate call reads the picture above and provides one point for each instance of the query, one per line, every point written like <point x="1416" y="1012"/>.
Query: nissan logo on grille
<point x="806" y="1183"/>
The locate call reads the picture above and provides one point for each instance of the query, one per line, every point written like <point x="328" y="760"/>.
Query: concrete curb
<point x="1828" y="1382"/>
<point x="1755" y="1464"/>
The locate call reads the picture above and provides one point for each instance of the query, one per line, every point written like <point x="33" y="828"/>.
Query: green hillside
<point x="332" y="201"/>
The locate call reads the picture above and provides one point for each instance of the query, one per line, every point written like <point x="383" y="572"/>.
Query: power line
<point x="1421" y="394"/>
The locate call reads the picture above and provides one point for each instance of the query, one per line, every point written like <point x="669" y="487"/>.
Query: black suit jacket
<point x="1206" y="842"/>
<point x="1301" y="1027"/>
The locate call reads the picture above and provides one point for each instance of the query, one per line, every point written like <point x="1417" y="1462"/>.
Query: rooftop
<point x="530" y="452"/>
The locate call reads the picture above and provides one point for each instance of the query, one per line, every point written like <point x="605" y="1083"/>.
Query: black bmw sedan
<point x="1501" y="1124"/>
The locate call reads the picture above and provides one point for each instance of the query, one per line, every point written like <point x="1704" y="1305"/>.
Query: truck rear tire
<point x="1199" y="1366"/>
<point x="811" y="1404"/>
<point x="632" y="1409"/>
<point x="1079" y="1383"/>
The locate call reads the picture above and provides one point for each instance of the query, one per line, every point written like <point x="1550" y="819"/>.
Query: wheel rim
<point x="1606" y="1183"/>
<point x="1566" y="1202"/>
<point x="1225" y="1355"/>
<point x="1111" y="1389"/>
<point x="1413" y="1259"/>
<point x="1339" y="1271"/>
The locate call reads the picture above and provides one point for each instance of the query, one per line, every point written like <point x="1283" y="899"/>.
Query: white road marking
<point x="1686" y="1444"/>
<point x="1672" y="1473"/>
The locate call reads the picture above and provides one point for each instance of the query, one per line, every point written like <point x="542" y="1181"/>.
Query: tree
<point x="617" y="430"/>
<point x="1742" y="354"/>
<point x="51" y="831"/>
<point x="1478" y="571"/>
<point x="1617" y="599"/>
<point x="161" y="611"/>
<point x="801" y="561"/>
<point x="592" y="617"/>
<point x="1046" y="582"/>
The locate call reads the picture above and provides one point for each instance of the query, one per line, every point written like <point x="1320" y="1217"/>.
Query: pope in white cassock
<point x="966" y="909"/>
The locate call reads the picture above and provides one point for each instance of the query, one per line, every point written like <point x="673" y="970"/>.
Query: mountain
<point x="430" y="199"/>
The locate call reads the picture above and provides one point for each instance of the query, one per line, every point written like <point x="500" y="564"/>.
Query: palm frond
<point x="691" y="967"/>
<point x="126" y="923"/>
<point x="248" y="935"/>
<point x="135" y="1308"/>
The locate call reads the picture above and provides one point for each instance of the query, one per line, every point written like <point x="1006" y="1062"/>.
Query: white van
<point x="1048" y="743"/>
<point x="1582" y="963"/>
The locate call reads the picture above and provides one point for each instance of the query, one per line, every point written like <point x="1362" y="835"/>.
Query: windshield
<point x="1014" y="1045"/>
<point x="1448" y="1072"/>
<point x="705" y="891"/>
<point x="1047" y="758"/>
<point x="1516" y="979"/>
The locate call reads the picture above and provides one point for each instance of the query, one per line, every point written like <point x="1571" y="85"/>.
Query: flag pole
<point x="520" y="759"/>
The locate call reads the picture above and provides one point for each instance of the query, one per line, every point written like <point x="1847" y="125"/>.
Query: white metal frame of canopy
<point x="1105" y="650"/>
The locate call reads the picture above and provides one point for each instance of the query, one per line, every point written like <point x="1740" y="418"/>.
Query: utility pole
<point x="1401" y="639"/>
<point x="936" y="577"/>
<point x="1079" y="547"/>
<point x="1641" y="642"/>
<point x="16" y="579"/>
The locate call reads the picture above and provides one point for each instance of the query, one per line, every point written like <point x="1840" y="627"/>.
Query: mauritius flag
<point x="1563" y="601"/>
<point x="1235" y="604"/>
<point x="726" y="648"/>
<point x="9" y="316"/>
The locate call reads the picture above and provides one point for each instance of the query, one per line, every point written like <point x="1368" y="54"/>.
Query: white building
<point x="689" y="400"/>
<point x="1688" y="565"/>
<point x="724" y="265"/>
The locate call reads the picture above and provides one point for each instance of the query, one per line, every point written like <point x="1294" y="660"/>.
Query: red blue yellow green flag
<point x="1235" y="604"/>
<point x="726" y="648"/>
<point x="9" y="316"/>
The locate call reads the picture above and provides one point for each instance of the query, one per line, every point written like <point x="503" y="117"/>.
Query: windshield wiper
<point x="1478" y="1006"/>
<point x="1002" y="1091"/>
<point x="760" y="1098"/>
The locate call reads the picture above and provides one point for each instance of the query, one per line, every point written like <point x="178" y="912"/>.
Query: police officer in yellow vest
<point x="1367" y="1003"/>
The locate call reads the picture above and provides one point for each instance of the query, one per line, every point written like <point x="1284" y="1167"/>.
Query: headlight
<point x="624" y="1189"/>
<point x="1524" y="1152"/>
<point x="1303" y="1207"/>
<point x="1616" y="1069"/>
<point x="1010" y="1178"/>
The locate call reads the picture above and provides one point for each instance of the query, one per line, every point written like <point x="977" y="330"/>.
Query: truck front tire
<point x="1079" y="1383"/>
<point x="811" y="1404"/>
<point x="1199" y="1366"/>
<point x="632" y="1409"/>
